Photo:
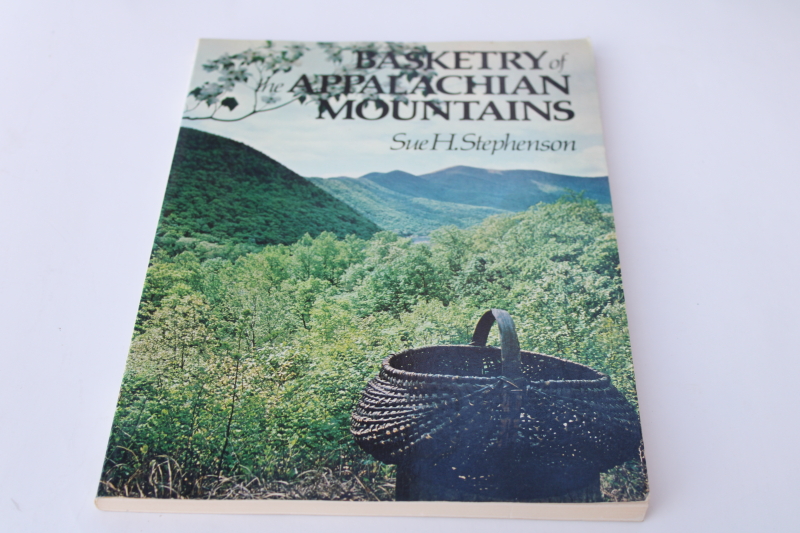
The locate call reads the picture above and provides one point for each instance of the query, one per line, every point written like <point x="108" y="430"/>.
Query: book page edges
<point x="622" y="512"/>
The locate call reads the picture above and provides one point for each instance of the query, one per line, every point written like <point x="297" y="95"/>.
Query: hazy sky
<point x="294" y="136"/>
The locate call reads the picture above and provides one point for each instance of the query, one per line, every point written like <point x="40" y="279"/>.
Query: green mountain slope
<point x="402" y="212"/>
<point x="224" y="193"/>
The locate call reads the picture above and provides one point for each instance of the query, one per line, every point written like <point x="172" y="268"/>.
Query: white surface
<point x="702" y="116"/>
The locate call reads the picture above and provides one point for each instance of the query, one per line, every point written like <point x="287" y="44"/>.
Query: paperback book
<point x="385" y="281"/>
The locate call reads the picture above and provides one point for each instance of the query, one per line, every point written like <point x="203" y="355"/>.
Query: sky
<point x="312" y="147"/>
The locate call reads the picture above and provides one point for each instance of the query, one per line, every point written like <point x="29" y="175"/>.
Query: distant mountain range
<point x="224" y="197"/>
<point x="463" y="196"/>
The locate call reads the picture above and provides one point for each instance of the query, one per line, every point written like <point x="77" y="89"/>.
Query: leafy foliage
<point x="243" y="372"/>
<point x="254" y="73"/>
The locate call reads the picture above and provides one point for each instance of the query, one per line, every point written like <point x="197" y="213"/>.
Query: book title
<point x="424" y="85"/>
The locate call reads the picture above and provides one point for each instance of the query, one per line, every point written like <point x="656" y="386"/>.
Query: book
<point x="342" y="228"/>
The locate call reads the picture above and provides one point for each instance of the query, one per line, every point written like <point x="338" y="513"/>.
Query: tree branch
<point x="255" y="111"/>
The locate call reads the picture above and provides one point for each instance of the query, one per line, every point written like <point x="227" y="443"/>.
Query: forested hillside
<point x="224" y="198"/>
<point x="243" y="373"/>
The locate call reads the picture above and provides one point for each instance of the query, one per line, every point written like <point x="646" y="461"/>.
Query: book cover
<point x="343" y="225"/>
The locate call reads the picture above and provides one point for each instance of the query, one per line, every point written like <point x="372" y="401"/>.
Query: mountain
<point x="222" y="192"/>
<point x="463" y="196"/>
<point x="512" y="190"/>
<point x="406" y="213"/>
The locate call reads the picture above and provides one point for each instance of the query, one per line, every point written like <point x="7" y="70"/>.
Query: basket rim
<point x="600" y="381"/>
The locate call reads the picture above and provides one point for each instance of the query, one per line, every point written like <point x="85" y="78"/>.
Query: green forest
<point x="225" y="198"/>
<point x="249" y="355"/>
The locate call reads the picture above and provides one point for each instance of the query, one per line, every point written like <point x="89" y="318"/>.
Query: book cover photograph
<point x="385" y="281"/>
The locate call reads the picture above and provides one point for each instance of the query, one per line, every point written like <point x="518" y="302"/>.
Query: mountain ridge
<point x="460" y="195"/>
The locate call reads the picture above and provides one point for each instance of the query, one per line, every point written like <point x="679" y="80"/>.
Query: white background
<point x="701" y="111"/>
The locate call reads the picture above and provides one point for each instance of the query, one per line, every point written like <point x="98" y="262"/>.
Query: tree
<point x="257" y="74"/>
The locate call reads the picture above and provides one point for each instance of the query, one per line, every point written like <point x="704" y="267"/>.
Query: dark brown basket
<point x="483" y="423"/>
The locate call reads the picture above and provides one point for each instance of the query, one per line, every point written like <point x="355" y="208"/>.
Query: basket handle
<point x="509" y="344"/>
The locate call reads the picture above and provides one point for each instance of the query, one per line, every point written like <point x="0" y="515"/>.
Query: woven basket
<point x="479" y="423"/>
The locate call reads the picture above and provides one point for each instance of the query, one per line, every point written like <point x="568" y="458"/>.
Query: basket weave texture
<point x="508" y="424"/>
